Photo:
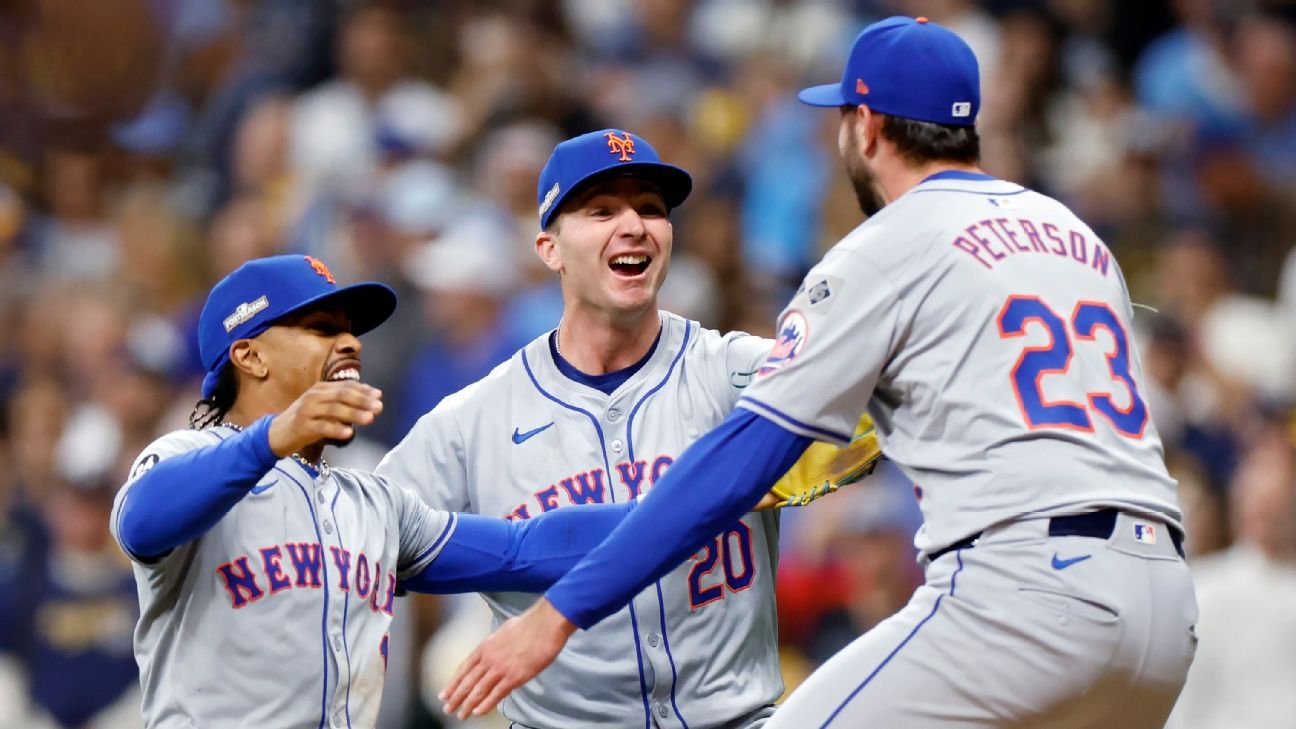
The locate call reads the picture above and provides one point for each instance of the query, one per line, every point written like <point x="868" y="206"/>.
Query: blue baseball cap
<point x="580" y="160"/>
<point x="260" y="292"/>
<point x="907" y="67"/>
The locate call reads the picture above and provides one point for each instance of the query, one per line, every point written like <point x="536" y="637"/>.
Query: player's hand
<point x="516" y="653"/>
<point x="327" y="411"/>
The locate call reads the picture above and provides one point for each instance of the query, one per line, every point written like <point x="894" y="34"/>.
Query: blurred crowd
<point x="148" y="147"/>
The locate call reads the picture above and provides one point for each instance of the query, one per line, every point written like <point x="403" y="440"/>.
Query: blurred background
<point x="147" y="147"/>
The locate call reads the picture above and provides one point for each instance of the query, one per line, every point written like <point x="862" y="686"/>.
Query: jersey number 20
<point x="1055" y="357"/>
<point x="733" y="551"/>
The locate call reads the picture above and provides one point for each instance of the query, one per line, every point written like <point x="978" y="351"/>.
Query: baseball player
<point x="266" y="579"/>
<point x="987" y="330"/>
<point x="595" y="412"/>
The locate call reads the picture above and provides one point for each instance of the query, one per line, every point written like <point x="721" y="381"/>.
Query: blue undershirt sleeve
<point x="182" y="497"/>
<point x="488" y="554"/>
<point x="715" y="481"/>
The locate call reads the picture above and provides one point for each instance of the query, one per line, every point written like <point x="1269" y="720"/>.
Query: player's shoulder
<point x="175" y="443"/>
<point x="713" y="342"/>
<point x="735" y="354"/>
<point x="366" y="480"/>
<point x="923" y="218"/>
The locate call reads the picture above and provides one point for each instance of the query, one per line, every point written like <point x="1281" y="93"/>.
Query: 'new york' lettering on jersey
<point x="1004" y="326"/>
<point x="697" y="648"/>
<point x="300" y="575"/>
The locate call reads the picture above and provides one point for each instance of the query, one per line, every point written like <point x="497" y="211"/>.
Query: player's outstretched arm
<point x="737" y="461"/>
<point x="488" y="554"/>
<point x="180" y="498"/>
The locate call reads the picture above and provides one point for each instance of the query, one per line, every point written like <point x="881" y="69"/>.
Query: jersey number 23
<point x="1055" y="358"/>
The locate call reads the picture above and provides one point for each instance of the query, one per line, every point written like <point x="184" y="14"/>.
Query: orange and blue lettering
<point x="270" y="557"/>
<point x="377" y="585"/>
<point x="307" y="559"/>
<point x="342" y="560"/>
<point x="659" y="467"/>
<point x="579" y="489"/>
<point x="240" y="582"/>
<point x="362" y="580"/>
<point x="632" y="475"/>
<point x="548" y="498"/>
<point x="389" y="605"/>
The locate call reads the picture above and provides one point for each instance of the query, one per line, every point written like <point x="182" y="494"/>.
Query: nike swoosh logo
<point x="259" y="489"/>
<point x="1061" y="564"/>
<point x="520" y="438"/>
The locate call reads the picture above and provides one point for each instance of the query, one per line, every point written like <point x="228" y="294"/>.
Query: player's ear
<point x="546" y="246"/>
<point x="246" y="357"/>
<point x="870" y="130"/>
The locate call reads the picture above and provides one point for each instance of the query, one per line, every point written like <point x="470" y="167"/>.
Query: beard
<point x="865" y="185"/>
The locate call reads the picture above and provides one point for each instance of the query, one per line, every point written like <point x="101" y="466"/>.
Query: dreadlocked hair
<point x="211" y="410"/>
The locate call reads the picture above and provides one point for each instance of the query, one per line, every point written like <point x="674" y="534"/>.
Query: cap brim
<point x="675" y="183"/>
<point x="367" y="304"/>
<point x="824" y="95"/>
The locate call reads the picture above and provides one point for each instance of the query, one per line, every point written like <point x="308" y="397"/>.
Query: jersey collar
<point x="959" y="175"/>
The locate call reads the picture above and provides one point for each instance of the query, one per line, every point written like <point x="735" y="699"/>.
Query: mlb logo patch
<point x="961" y="109"/>
<point x="1145" y="533"/>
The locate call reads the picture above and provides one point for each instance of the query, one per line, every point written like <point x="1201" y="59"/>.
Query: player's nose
<point x="347" y="343"/>
<point x="631" y="224"/>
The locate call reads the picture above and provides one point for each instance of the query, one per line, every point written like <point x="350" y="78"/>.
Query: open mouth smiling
<point x="629" y="265"/>
<point x="345" y="371"/>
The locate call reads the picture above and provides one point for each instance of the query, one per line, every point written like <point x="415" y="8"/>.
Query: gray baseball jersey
<point x="278" y="615"/>
<point x="991" y="343"/>
<point x="698" y="649"/>
<point x="987" y="331"/>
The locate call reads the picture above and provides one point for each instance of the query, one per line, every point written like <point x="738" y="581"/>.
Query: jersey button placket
<point x="337" y="599"/>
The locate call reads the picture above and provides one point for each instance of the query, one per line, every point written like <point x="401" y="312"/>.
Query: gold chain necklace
<point x="323" y="466"/>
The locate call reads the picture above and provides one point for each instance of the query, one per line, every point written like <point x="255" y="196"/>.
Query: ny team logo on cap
<point x="622" y="145"/>
<point x="320" y="268"/>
